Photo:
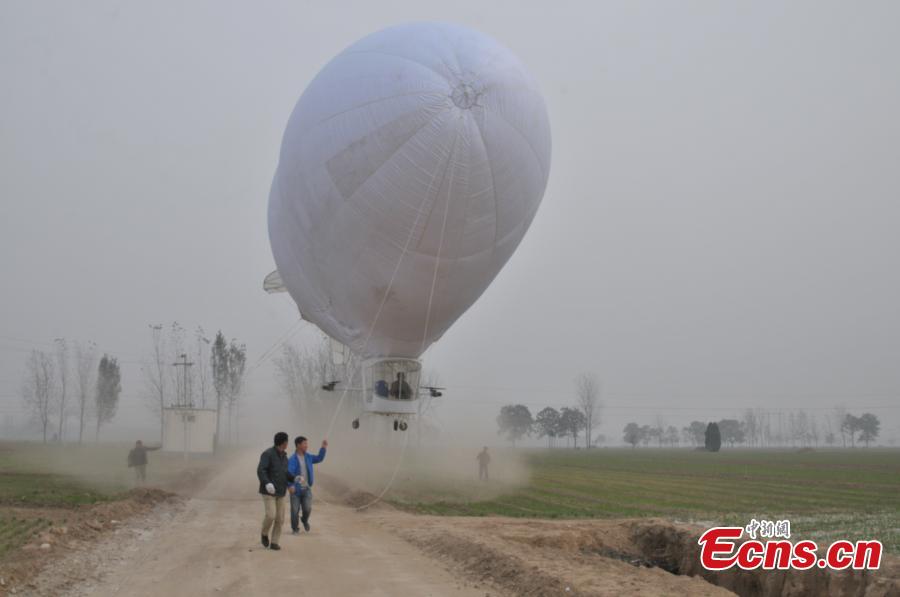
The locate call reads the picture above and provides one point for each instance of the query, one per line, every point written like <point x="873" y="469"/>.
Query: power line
<point x="679" y="395"/>
<point x="39" y="346"/>
<point x="281" y="341"/>
<point x="781" y="407"/>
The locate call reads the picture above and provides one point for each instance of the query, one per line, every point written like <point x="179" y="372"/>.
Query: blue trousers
<point x="301" y="500"/>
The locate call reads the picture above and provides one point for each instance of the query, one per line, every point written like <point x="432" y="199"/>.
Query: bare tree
<point x="85" y="359"/>
<point x="38" y="389"/>
<point x="753" y="426"/>
<point x="849" y="427"/>
<point x="301" y="374"/>
<point x="813" y="431"/>
<point x="695" y="433"/>
<point x="156" y="376"/>
<point x="62" y="357"/>
<point x="671" y="436"/>
<point x="830" y="437"/>
<point x="798" y="424"/>
<point x="838" y="415"/>
<point x="587" y="390"/>
<point x="766" y="433"/>
<point x="658" y="431"/>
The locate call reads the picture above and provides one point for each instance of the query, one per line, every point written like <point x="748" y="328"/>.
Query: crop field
<point x="53" y="475"/>
<point x="42" y="485"/>
<point x="34" y="494"/>
<point x="15" y="531"/>
<point x="33" y="475"/>
<point x="826" y="494"/>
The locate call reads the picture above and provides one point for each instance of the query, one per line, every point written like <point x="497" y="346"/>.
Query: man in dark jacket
<point x="137" y="459"/>
<point x="484" y="459"/>
<point x="274" y="479"/>
<point x="400" y="388"/>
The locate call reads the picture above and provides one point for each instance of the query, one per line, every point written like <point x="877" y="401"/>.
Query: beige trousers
<point x="274" y="517"/>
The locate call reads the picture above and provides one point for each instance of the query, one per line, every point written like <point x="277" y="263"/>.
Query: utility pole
<point x="186" y="398"/>
<point x="186" y="402"/>
<point x="201" y="358"/>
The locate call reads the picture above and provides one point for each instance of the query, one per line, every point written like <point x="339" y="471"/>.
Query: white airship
<point x="410" y="170"/>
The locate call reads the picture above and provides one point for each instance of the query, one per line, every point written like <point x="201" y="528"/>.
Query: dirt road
<point x="210" y="546"/>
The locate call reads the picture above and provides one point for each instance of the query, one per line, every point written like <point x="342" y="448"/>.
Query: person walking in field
<point x="484" y="459"/>
<point x="274" y="479"/>
<point x="137" y="459"/>
<point x="300" y="465"/>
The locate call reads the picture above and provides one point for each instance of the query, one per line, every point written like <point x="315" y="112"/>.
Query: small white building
<point x="189" y="429"/>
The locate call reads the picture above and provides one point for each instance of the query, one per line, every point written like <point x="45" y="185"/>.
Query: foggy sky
<point x="720" y="230"/>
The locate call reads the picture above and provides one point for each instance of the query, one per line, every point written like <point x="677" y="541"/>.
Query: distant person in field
<point x="400" y="389"/>
<point x="137" y="459"/>
<point x="484" y="459"/>
<point x="274" y="479"/>
<point x="300" y="465"/>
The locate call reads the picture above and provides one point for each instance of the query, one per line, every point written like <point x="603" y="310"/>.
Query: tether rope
<point x="437" y="264"/>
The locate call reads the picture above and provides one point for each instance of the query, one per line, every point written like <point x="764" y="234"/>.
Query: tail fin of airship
<point x="273" y="283"/>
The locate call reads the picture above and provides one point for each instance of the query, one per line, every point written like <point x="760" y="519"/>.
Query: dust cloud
<point x="423" y="464"/>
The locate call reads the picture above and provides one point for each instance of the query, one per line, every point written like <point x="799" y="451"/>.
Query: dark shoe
<point x="305" y="526"/>
<point x="275" y="546"/>
<point x="265" y="541"/>
<point x="295" y="531"/>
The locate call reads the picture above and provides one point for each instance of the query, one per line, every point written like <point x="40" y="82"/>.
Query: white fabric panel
<point x="410" y="169"/>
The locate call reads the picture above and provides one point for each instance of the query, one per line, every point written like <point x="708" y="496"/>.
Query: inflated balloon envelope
<point x="410" y="169"/>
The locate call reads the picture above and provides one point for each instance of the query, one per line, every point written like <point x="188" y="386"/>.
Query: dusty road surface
<point x="210" y="546"/>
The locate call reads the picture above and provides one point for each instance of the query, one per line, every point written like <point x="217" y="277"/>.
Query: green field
<point x="15" y="531"/>
<point x="825" y="494"/>
<point x="36" y="474"/>
<point x="47" y="475"/>
<point x="39" y="482"/>
<point x="42" y="485"/>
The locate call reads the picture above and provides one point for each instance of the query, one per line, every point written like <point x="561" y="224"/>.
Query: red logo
<point x="721" y="549"/>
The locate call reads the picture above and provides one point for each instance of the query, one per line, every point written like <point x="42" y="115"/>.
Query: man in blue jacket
<point x="300" y="464"/>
